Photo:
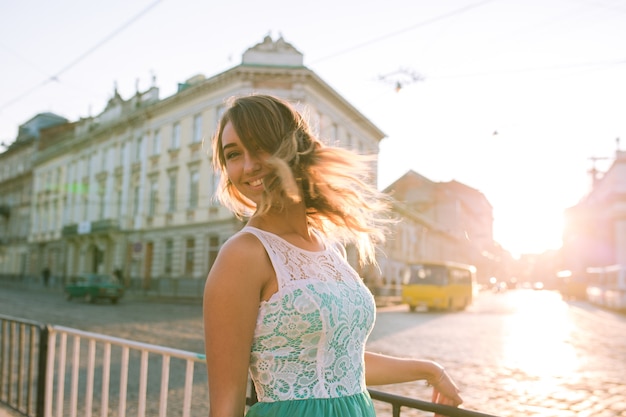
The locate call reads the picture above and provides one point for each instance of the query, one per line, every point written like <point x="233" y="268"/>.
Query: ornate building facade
<point x="132" y="187"/>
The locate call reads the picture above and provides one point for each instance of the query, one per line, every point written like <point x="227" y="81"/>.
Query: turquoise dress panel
<point x="309" y="340"/>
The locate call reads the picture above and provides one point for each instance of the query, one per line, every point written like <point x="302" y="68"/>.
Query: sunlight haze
<point x="509" y="97"/>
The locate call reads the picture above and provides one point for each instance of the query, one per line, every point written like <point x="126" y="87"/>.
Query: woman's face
<point x="245" y="169"/>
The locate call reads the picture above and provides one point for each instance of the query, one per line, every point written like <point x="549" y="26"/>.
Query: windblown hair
<point x="331" y="181"/>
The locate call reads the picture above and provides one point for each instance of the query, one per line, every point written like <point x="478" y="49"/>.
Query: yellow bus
<point x="439" y="285"/>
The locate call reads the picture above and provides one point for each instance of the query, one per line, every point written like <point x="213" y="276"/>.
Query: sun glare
<point x="539" y="344"/>
<point x="525" y="228"/>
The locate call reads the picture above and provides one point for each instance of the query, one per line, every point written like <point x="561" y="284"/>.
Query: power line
<point x="25" y="60"/>
<point x="105" y="40"/>
<point x="535" y="69"/>
<point x="401" y="31"/>
<point x="55" y="77"/>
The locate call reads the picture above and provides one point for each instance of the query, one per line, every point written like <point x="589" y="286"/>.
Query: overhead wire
<point x="588" y="66"/>
<point x="407" y="29"/>
<point x="56" y="75"/>
<point x="578" y="65"/>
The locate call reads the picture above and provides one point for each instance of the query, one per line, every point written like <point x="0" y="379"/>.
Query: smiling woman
<point x="281" y="302"/>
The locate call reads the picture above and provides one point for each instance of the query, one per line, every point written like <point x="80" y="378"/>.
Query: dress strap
<point x="270" y="242"/>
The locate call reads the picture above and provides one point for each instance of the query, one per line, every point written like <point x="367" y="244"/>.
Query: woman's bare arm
<point x="231" y="301"/>
<point x="383" y="370"/>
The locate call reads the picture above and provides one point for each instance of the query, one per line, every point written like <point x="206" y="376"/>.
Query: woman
<point x="281" y="301"/>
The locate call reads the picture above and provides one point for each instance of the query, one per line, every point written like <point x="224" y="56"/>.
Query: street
<point x="516" y="353"/>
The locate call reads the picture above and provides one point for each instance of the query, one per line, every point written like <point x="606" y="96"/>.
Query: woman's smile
<point x="256" y="183"/>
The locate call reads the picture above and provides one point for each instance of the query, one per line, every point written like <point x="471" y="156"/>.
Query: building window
<point x="119" y="201"/>
<point x="197" y="129"/>
<point x="153" y="197"/>
<point x="122" y="153"/>
<point x="189" y="255"/>
<point x="101" y="200"/>
<point x="42" y="215"/>
<point x="194" y="188"/>
<point x="88" y="166"/>
<point x="176" y="136"/>
<point x="139" y="149"/>
<point x="110" y="159"/>
<point x="53" y="215"/>
<point x="334" y="132"/>
<point x="214" y="246"/>
<point x="171" y="193"/>
<point x="215" y="183"/>
<point x="85" y="216"/>
<point x="168" y="256"/>
<point x="220" y="110"/>
<point x="136" y="197"/>
<point x="156" y="142"/>
<point x="103" y="159"/>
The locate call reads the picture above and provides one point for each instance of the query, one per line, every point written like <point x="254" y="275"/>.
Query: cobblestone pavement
<point x="517" y="353"/>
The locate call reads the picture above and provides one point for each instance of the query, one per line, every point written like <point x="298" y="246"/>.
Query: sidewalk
<point x="185" y="291"/>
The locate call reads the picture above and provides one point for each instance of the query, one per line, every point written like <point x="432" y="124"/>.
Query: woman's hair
<point x="339" y="200"/>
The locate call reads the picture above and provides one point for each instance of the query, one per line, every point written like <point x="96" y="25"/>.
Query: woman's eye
<point x="231" y="155"/>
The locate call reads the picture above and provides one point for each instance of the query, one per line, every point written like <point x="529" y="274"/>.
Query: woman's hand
<point x="445" y="391"/>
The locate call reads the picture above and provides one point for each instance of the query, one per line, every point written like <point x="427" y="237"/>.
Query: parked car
<point x="92" y="287"/>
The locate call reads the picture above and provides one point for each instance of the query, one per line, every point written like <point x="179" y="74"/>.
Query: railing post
<point x="42" y="366"/>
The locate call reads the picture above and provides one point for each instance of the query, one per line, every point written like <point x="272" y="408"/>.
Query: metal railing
<point x="45" y="371"/>
<point x="23" y="347"/>
<point x="398" y="401"/>
<point x="119" y="368"/>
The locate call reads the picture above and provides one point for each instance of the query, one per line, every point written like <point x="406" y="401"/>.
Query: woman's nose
<point x="251" y="163"/>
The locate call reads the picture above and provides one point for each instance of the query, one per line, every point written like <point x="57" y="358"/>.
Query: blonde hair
<point x="331" y="181"/>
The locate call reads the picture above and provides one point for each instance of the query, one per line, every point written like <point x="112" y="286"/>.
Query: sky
<point x="510" y="97"/>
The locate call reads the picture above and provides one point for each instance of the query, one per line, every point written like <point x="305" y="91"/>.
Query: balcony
<point x="86" y="228"/>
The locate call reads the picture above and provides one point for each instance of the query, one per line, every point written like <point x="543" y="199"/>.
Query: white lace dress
<point x="309" y="341"/>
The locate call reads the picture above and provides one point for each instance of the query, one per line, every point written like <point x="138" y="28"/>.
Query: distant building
<point x="440" y="221"/>
<point x="16" y="188"/>
<point x="595" y="228"/>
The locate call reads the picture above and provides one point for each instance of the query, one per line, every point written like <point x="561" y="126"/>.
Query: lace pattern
<point x="310" y="335"/>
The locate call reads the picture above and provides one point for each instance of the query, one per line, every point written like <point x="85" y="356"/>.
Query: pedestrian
<point x="45" y="274"/>
<point x="117" y="274"/>
<point x="281" y="301"/>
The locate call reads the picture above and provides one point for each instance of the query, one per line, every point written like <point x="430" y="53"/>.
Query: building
<point x="16" y="191"/>
<point x="440" y="221"/>
<point x="595" y="229"/>
<point x="132" y="187"/>
<point x="594" y="239"/>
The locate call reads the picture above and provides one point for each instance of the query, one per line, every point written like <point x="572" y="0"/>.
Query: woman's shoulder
<point x="241" y="255"/>
<point x="242" y="243"/>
